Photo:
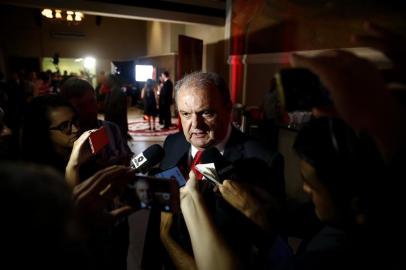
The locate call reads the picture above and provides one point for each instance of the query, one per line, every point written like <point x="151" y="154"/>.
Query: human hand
<point x="383" y="39"/>
<point x="94" y="195"/>
<point x="237" y="195"/>
<point x="81" y="150"/>
<point x="244" y="199"/>
<point x="80" y="154"/>
<point x="356" y="87"/>
<point x="360" y="97"/>
<point x="190" y="188"/>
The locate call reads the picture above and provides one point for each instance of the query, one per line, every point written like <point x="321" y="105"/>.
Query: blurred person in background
<point x="115" y="106"/>
<point x="149" y="96"/>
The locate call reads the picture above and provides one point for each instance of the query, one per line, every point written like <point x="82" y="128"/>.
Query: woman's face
<point x="318" y="193"/>
<point x="63" y="128"/>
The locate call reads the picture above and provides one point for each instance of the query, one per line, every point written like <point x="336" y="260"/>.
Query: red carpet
<point x="139" y="127"/>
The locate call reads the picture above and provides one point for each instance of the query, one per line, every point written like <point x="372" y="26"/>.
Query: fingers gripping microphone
<point x="148" y="159"/>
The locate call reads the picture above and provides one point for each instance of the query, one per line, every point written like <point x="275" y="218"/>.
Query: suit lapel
<point x="181" y="149"/>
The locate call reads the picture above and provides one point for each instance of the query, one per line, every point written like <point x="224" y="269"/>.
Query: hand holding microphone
<point x="215" y="167"/>
<point x="241" y="196"/>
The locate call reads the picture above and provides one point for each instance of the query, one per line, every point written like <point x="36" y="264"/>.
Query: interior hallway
<point x="139" y="142"/>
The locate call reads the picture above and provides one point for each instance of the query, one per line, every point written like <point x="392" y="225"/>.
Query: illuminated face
<point x="204" y="116"/>
<point x="63" y="128"/>
<point x="142" y="191"/>
<point x="318" y="193"/>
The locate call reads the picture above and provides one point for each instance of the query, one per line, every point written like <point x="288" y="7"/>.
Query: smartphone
<point x="299" y="89"/>
<point x="98" y="139"/>
<point x="173" y="173"/>
<point x="150" y="191"/>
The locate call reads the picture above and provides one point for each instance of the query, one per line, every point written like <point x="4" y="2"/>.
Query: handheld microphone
<point x="147" y="159"/>
<point x="224" y="168"/>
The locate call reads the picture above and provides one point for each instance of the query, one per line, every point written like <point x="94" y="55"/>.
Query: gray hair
<point x="204" y="81"/>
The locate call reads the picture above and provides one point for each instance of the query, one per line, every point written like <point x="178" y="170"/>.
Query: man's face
<point x="142" y="192"/>
<point x="86" y="106"/>
<point x="205" y="118"/>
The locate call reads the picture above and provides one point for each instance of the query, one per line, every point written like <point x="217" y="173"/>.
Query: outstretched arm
<point x="209" y="248"/>
<point x="180" y="258"/>
<point x="360" y="97"/>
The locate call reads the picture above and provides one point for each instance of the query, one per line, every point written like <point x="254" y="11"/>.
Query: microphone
<point x="147" y="159"/>
<point x="211" y="155"/>
<point x="238" y="170"/>
<point x="224" y="168"/>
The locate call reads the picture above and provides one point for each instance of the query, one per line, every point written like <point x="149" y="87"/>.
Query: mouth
<point x="199" y="134"/>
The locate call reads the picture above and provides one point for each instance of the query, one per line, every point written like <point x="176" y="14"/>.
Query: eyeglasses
<point x="66" y="127"/>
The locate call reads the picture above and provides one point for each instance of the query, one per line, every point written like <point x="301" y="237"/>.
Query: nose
<point x="75" y="128"/>
<point x="196" y="121"/>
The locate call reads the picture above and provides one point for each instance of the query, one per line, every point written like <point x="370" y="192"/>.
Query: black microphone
<point x="147" y="159"/>
<point x="224" y="168"/>
<point x="211" y="155"/>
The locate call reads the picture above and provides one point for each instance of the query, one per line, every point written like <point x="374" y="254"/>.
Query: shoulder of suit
<point x="174" y="138"/>
<point x="177" y="135"/>
<point x="250" y="144"/>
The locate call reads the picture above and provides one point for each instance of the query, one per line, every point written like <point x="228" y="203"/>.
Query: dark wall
<point x="25" y="33"/>
<point x="292" y="25"/>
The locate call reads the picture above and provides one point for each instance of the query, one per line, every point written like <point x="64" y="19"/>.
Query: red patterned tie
<point x="196" y="161"/>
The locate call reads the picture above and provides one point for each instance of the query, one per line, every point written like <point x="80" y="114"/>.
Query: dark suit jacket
<point x="257" y="166"/>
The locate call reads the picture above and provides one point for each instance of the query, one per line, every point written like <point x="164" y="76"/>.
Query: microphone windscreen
<point x="211" y="155"/>
<point x="154" y="154"/>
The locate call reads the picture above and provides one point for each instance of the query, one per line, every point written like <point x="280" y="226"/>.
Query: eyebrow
<point x="198" y="112"/>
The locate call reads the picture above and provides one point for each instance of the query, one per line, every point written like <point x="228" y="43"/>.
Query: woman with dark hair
<point x="49" y="131"/>
<point x="148" y="95"/>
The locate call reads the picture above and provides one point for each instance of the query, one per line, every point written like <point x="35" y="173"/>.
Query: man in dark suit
<point x="205" y="107"/>
<point x="165" y="100"/>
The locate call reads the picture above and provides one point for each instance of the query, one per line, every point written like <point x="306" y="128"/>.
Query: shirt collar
<point x="220" y="146"/>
